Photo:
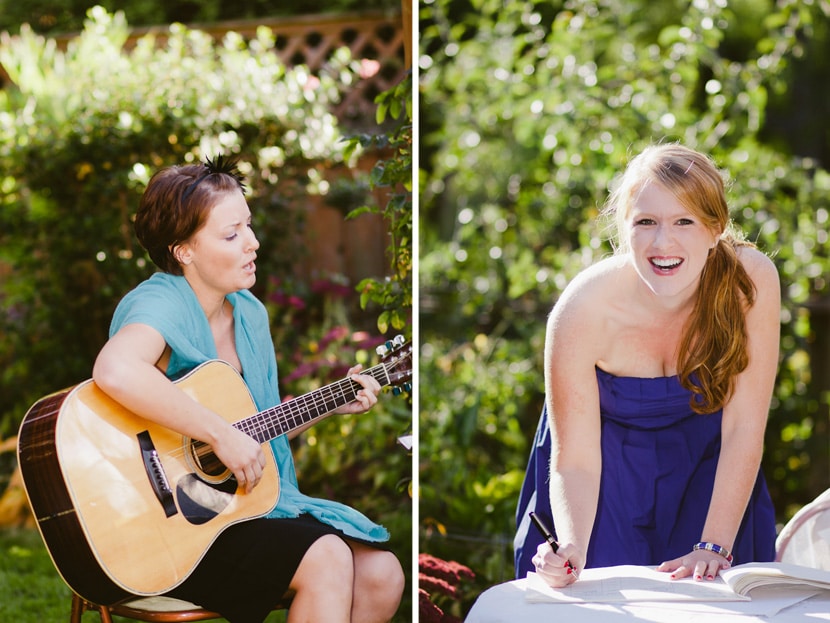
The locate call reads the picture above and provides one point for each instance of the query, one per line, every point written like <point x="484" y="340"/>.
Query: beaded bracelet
<point x="717" y="549"/>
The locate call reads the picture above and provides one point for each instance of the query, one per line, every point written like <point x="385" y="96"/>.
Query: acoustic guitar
<point x="128" y="507"/>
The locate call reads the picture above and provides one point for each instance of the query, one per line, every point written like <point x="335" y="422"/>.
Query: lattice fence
<point x="376" y="40"/>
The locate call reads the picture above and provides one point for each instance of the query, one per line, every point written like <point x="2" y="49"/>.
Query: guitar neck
<point x="292" y="414"/>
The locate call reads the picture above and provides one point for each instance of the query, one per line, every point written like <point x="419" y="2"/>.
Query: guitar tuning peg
<point x="398" y="340"/>
<point x="399" y="389"/>
<point x="382" y="350"/>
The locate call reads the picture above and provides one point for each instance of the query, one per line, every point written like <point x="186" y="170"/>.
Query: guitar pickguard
<point x="199" y="501"/>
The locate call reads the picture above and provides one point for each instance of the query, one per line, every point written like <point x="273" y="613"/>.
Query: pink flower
<point x="301" y="371"/>
<point x="283" y="299"/>
<point x="334" y="334"/>
<point x="368" y="68"/>
<point x="436" y="585"/>
<point x="428" y="612"/>
<point x="364" y="341"/>
<point x="332" y="288"/>
<point x="311" y="83"/>
<point x="296" y="302"/>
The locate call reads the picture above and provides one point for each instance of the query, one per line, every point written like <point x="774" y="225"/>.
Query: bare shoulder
<point x="579" y="331"/>
<point x="588" y="295"/>
<point x="760" y="268"/>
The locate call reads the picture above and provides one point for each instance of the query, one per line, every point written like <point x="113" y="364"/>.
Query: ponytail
<point x="713" y="349"/>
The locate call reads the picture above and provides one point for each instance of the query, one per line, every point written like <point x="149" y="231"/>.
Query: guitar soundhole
<point x="207" y="463"/>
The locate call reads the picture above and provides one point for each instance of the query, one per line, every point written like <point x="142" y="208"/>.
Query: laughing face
<point x="668" y="244"/>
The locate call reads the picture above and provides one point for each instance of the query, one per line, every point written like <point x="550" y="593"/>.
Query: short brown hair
<point x="174" y="206"/>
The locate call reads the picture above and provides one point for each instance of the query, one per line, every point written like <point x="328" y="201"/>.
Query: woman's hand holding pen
<point x="558" y="569"/>
<point x="553" y="563"/>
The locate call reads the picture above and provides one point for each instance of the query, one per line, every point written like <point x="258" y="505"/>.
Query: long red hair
<point x="713" y="347"/>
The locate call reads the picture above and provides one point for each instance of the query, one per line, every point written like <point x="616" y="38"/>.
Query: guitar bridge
<point x="155" y="473"/>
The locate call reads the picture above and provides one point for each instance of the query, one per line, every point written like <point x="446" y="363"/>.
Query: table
<point x="508" y="603"/>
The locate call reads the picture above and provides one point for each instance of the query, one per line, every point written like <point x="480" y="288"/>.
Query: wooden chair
<point x="160" y="609"/>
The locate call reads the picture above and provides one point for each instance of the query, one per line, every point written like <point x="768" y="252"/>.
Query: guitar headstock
<point x="396" y="358"/>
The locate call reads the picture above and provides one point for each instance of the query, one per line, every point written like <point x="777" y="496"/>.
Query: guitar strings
<point x="274" y="421"/>
<point x="255" y="424"/>
<point x="293" y="409"/>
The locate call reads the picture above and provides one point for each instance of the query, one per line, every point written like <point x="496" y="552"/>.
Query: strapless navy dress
<point x="659" y="459"/>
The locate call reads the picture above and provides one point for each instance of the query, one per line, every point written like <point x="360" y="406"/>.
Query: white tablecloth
<point x="507" y="603"/>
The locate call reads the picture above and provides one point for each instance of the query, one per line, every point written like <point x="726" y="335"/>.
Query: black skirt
<point x="247" y="570"/>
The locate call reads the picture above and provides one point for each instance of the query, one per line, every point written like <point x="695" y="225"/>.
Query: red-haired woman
<point x="660" y="363"/>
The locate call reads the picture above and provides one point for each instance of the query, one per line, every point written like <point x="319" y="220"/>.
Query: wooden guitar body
<point x="95" y="503"/>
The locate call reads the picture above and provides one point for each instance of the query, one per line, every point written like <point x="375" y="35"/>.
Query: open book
<point x="634" y="583"/>
<point x="747" y="577"/>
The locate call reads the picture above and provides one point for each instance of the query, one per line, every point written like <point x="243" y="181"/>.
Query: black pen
<point x="543" y="529"/>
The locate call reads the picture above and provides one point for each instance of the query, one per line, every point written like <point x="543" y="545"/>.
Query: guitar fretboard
<point x="291" y="414"/>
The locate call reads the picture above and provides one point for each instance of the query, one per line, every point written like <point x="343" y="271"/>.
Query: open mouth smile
<point x="665" y="264"/>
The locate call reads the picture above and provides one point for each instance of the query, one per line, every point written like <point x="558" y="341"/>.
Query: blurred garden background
<point x="527" y="112"/>
<point x="315" y="100"/>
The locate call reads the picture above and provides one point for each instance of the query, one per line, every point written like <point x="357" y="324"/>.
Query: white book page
<point x="744" y="578"/>
<point x="627" y="583"/>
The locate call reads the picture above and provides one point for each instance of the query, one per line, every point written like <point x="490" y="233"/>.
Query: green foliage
<point x="81" y="131"/>
<point x="79" y="136"/>
<point x="354" y="459"/>
<point x="393" y="294"/>
<point x="529" y="111"/>
<point x="31" y="591"/>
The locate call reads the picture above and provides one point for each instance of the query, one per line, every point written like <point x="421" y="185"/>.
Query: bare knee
<point x="327" y="562"/>
<point x="379" y="585"/>
<point x="322" y="584"/>
<point x="385" y="570"/>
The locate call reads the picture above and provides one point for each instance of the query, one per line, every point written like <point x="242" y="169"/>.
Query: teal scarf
<point x="168" y="304"/>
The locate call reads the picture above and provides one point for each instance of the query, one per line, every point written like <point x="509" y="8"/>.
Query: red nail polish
<point x="710" y="577"/>
<point x="698" y="577"/>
